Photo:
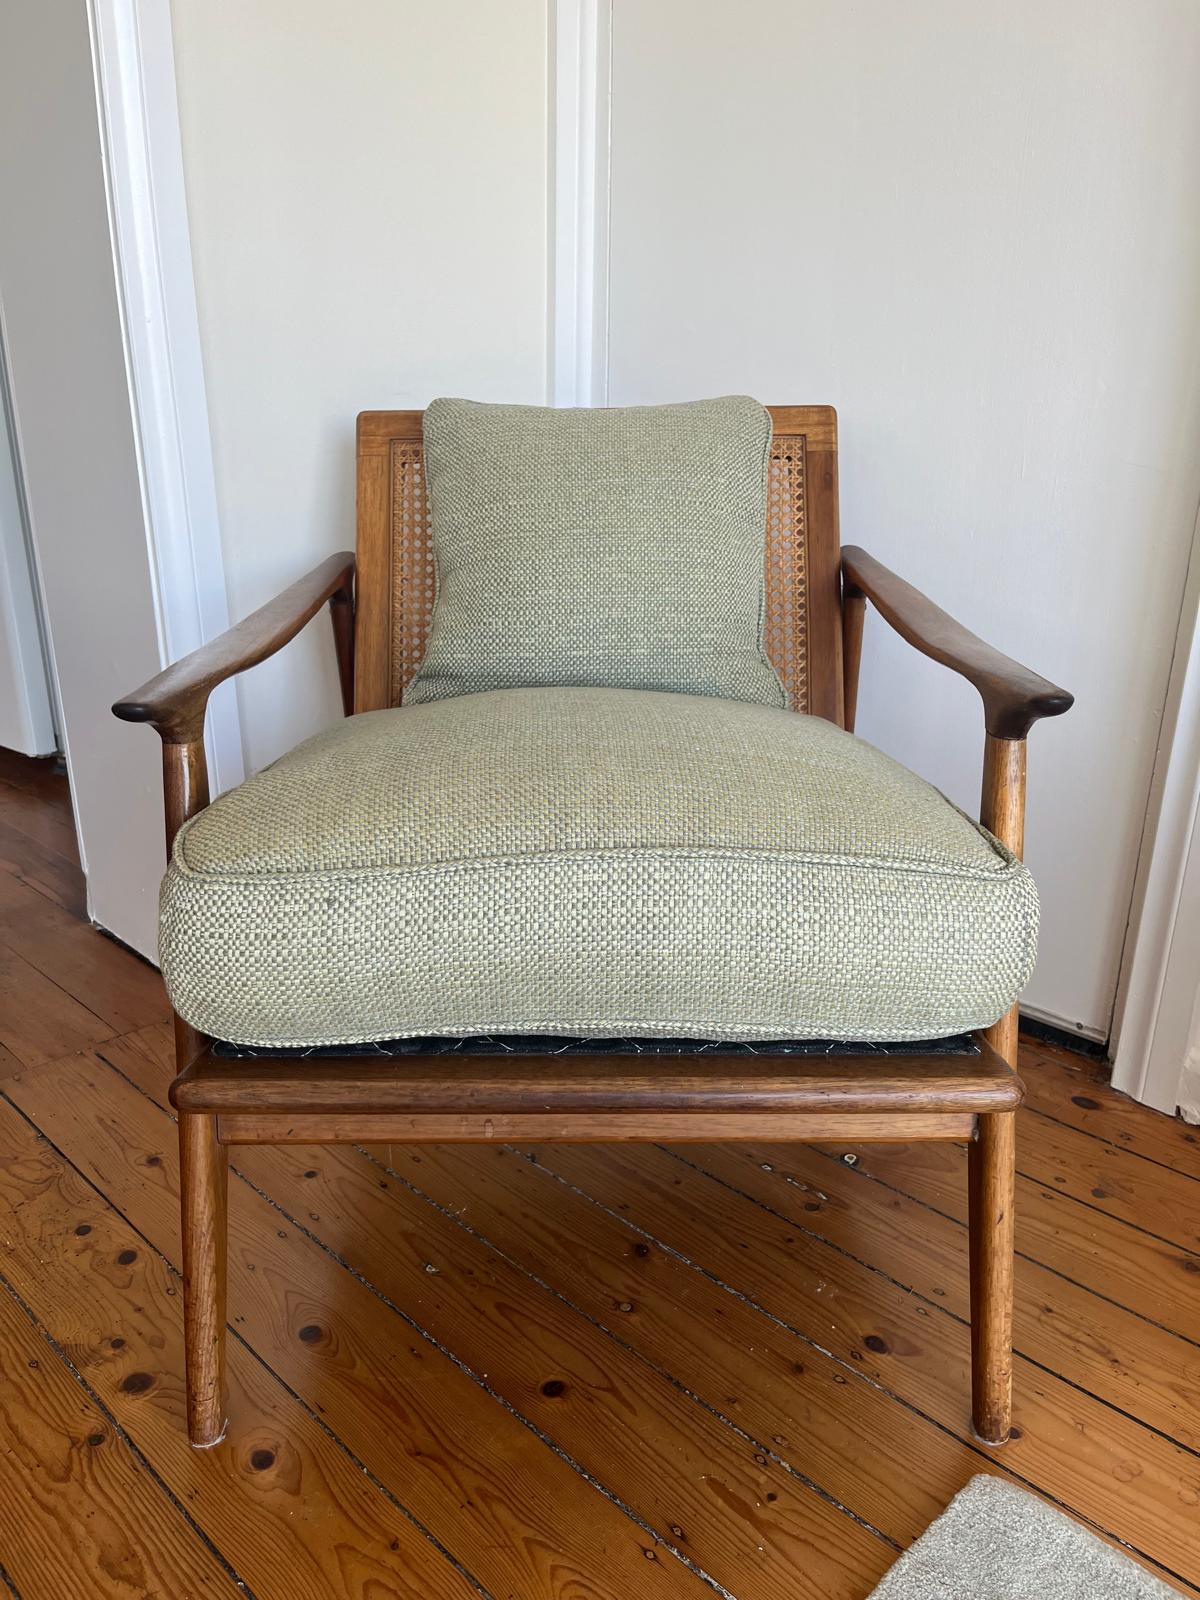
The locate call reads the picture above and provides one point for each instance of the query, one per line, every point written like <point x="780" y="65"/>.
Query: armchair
<point x="381" y="606"/>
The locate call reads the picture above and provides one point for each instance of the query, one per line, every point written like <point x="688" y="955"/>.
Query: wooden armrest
<point x="1013" y="696"/>
<point x="175" y="700"/>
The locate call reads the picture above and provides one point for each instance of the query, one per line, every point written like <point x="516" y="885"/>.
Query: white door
<point x="26" y="721"/>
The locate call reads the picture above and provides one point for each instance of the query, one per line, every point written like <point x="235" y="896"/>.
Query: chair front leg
<point x="203" y="1165"/>
<point x="991" y="1162"/>
<point x="990" y="1176"/>
<point x="204" y="1176"/>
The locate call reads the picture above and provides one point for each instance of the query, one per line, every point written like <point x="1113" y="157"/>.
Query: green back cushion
<point x="611" y="549"/>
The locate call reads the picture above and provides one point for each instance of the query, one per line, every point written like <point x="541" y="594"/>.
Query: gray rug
<point x="995" y="1542"/>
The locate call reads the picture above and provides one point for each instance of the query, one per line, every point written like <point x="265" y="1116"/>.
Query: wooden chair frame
<point x="223" y="1101"/>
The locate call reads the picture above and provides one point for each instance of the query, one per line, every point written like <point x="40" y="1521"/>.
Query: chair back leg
<point x="203" y="1173"/>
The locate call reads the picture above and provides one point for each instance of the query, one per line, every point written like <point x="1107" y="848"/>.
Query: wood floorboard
<point x="551" y="1372"/>
<point x="38" y="1019"/>
<point x="94" y="970"/>
<point x="282" y="1496"/>
<point x="1082" y="1453"/>
<point x="1056" y="1087"/>
<point x="50" y="873"/>
<point x="32" y="812"/>
<point x="91" y="1521"/>
<point x="1113" y="1259"/>
<point x="1113" y="1180"/>
<point x="40" y="775"/>
<point x="1106" y="1349"/>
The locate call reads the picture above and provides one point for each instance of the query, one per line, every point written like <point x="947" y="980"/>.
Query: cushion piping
<point x="1009" y="867"/>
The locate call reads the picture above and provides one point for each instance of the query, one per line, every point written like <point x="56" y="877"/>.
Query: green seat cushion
<point x="618" y="548"/>
<point x="590" y="861"/>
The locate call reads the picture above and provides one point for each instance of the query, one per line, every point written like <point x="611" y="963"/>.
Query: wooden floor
<point x="571" y="1372"/>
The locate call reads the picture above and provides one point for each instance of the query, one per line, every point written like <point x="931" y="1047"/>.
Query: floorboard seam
<point x="482" y="1383"/>
<point x="388" y="1495"/>
<point x="122" y="1433"/>
<point x="632" y="1350"/>
<point x="908" y="1405"/>
<point x="97" y="1050"/>
<point x="1124" y="1222"/>
<point x="53" y="899"/>
<point x="934" y="1305"/>
<point x="410" y="1516"/>
<point x="946" y="1216"/>
<point x="74" y="999"/>
<point x="1112" y="1144"/>
<point x="40" y="847"/>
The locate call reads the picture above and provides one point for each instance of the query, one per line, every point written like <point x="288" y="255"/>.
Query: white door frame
<point x="134" y="59"/>
<point x="1156" y="1054"/>
<point x="580" y="75"/>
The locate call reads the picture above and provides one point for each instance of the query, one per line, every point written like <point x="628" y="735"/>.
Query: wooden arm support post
<point x="1013" y="699"/>
<point x="175" y="702"/>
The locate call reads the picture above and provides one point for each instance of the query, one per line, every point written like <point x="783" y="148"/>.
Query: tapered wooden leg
<point x="993" y="1152"/>
<point x="991" y="1173"/>
<point x="203" y="1184"/>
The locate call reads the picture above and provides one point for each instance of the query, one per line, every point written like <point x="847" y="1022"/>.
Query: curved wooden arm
<point x="1013" y="700"/>
<point x="1013" y="697"/>
<point x="176" y="699"/>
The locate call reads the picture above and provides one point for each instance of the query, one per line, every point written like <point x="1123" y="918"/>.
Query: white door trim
<point x="578" y="202"/>
<point x="133" y="54"/>
<point x="1155" y="1035"/>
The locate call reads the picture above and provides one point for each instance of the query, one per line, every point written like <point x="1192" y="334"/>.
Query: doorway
<point x="76" y="447"/>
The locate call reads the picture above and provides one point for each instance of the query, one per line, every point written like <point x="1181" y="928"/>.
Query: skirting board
<point x="1075" y="1035"/>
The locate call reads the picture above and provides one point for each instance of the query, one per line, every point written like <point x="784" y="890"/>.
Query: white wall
<point x="367" y="196"/>
<point x="975" y="229"/>
<point x="72" y="413"/>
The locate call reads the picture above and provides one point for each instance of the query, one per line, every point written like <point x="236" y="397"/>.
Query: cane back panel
<point x="803" y="610"/>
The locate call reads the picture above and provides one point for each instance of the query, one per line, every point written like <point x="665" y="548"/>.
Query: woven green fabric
<point x="590" y="861"/>
<point x="616" y="548"/>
